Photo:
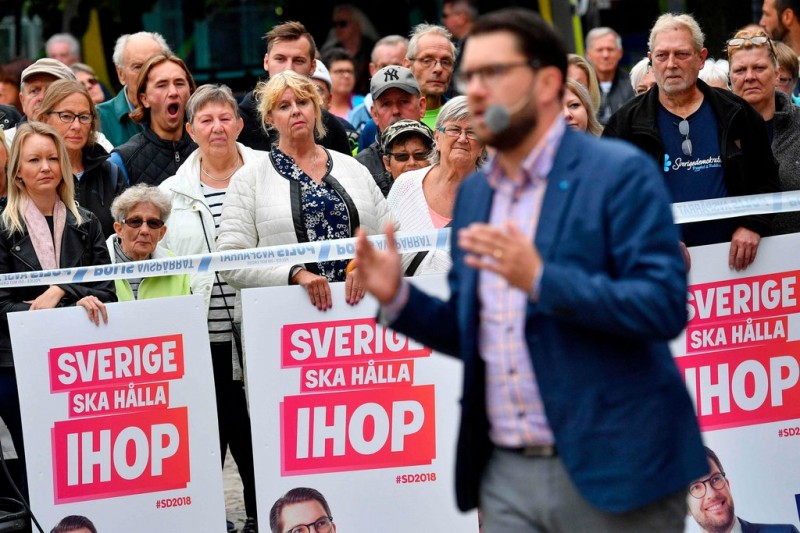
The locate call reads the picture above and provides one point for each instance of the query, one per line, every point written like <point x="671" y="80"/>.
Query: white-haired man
<point x="130" y="52"/>
<point x="604" y="51"/>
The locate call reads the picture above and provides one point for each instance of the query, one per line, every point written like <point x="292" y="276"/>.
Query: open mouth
<point x="173" y="110"/>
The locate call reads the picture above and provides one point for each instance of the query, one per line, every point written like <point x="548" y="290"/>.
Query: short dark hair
<point x="296" y="495"/>
<point x="336" y="54"/>
<point x="535" y="37"/>
<point x="713" y="456"/>
<point x="783" y="5"/>
<point x="73" y="523"/>
<point x="290" y="31"/>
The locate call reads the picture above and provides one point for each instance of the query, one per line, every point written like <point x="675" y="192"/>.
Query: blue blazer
<point x="747" y="527"/>
<point x="613" y="292"/>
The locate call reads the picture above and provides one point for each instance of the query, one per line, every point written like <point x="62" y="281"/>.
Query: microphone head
<point x="497" y="118"/>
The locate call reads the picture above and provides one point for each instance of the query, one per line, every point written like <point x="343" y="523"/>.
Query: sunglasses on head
<point x="152" y="223"/>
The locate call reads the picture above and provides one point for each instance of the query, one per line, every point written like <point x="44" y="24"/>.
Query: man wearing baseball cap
<point x="395" y="95"/>
<point x="34" y="82"/>
<point x="406" y="145"/>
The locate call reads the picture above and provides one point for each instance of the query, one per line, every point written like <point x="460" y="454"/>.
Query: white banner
<point x="351" y="409"/>
<point x="119" y="420"/>
<point x="740" y="358"/>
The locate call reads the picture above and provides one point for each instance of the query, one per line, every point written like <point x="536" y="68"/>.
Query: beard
<point x="779" y="32"/>
<point x="522" y="123"/>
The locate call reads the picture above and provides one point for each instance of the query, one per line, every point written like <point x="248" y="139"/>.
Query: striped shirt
<point x="223" y="296"/>
<point x="513" y="402"/>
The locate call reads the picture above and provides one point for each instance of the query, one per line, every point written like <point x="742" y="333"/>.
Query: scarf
<point x="43" y="241"/>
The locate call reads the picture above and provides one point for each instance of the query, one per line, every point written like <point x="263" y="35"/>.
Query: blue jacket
<point x="612" y="293"/>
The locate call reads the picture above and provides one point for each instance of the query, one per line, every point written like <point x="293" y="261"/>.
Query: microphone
<point x="498" y="117"/>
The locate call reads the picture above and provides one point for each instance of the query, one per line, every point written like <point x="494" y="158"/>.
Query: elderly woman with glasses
<point x="69" y="108"/>
<point x="422" y="200"/>
<point x="303" y="193"/>
<point x="139" y="215"/>
<point x="754" y="73"/>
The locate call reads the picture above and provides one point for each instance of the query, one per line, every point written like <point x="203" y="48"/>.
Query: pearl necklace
<point x="209" y="176"/>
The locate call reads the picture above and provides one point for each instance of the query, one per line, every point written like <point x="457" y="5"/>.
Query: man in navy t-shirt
<point x="710" y="143"/>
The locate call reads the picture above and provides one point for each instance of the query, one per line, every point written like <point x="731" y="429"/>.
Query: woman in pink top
<point x="422" y="199"/>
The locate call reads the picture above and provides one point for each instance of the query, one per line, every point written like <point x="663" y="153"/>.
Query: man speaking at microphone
<point x="567" y="282"/>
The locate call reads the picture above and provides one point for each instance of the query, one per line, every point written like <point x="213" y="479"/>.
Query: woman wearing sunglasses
<point x="422" y="200"/>
<point x="139" y="215"/>
<point x="69" y="109"/>
<point x="754" y="77"/>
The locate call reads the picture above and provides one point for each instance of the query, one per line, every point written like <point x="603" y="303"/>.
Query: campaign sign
<point x="119" y="420"/>
<point x="346" y="406"/>
<point x="740" y="359"/>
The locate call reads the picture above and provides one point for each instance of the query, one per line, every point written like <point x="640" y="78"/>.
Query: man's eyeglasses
<point x="686" y="145"/>
<point x="323" y="525"/>
<point x="90" y="82"/>
<point x="455" y="132"/>
<point x="68" y="118"/>
<point x="152" y="223"/>
<point x="698" y="488"/>
<point x="402" y="157"/>
<point x="340" y="23"/>
<point x="429" y="62"/>
<point x="490" y="75"/>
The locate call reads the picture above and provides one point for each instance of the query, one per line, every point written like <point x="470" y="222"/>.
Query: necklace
<point x="209" y="176"/>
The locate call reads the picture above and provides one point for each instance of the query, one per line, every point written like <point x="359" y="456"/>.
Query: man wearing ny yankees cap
<point x="395" y="95"/>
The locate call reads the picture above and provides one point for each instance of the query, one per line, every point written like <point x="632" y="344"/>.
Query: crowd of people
<point x="363" y="133"/>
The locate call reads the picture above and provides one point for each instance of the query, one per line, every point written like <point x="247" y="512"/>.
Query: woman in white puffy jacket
<point x="304" y="193"/>
<point x="196" y="193"/>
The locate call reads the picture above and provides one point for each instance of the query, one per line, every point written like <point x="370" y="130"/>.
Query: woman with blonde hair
<point x="303" y="193"/>
<point x="42" y="228"/>
<point x="579" y="112"/>
<point x="580" y="70"/>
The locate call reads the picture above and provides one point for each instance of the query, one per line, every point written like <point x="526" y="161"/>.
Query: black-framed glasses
<point x="340" y="23"/>
<point x="429" y="62"/>
<point x="403" y="156"/>
<point x="456" y="131"/>
<point x="322" y="525"/>
<point x="68" y="118"/>
<point x="490" y="75"/>
<point x="698" y="488"/>
<point x="686" y="145"/>
<point x="152" y="223"/>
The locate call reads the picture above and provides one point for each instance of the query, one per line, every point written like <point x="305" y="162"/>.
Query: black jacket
<point x="372" y="158"/>
<point x="9" y="117"/>
<point x="253" y="135"/>
<point x="620" y="93"/>
<point x="747" y="160"/>
<point x="81" y="245"/>
<point x="100" y="184"/>
<point x="150" y="159"/>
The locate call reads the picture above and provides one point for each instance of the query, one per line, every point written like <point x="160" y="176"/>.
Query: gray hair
<point x="454" y="110"/>
<point x="210" y="93"/>
<point x="671" y="21"/>
<point x="122" y="42"/>
<point x="421" y="30"/>
<point x="389" y="40"/>
<point x="140" y="194"/>
<point x="715" y="71"/>
<point x="638" y="72"/>
<point x="602" y="31"/>
<point x="74" y="45"/>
